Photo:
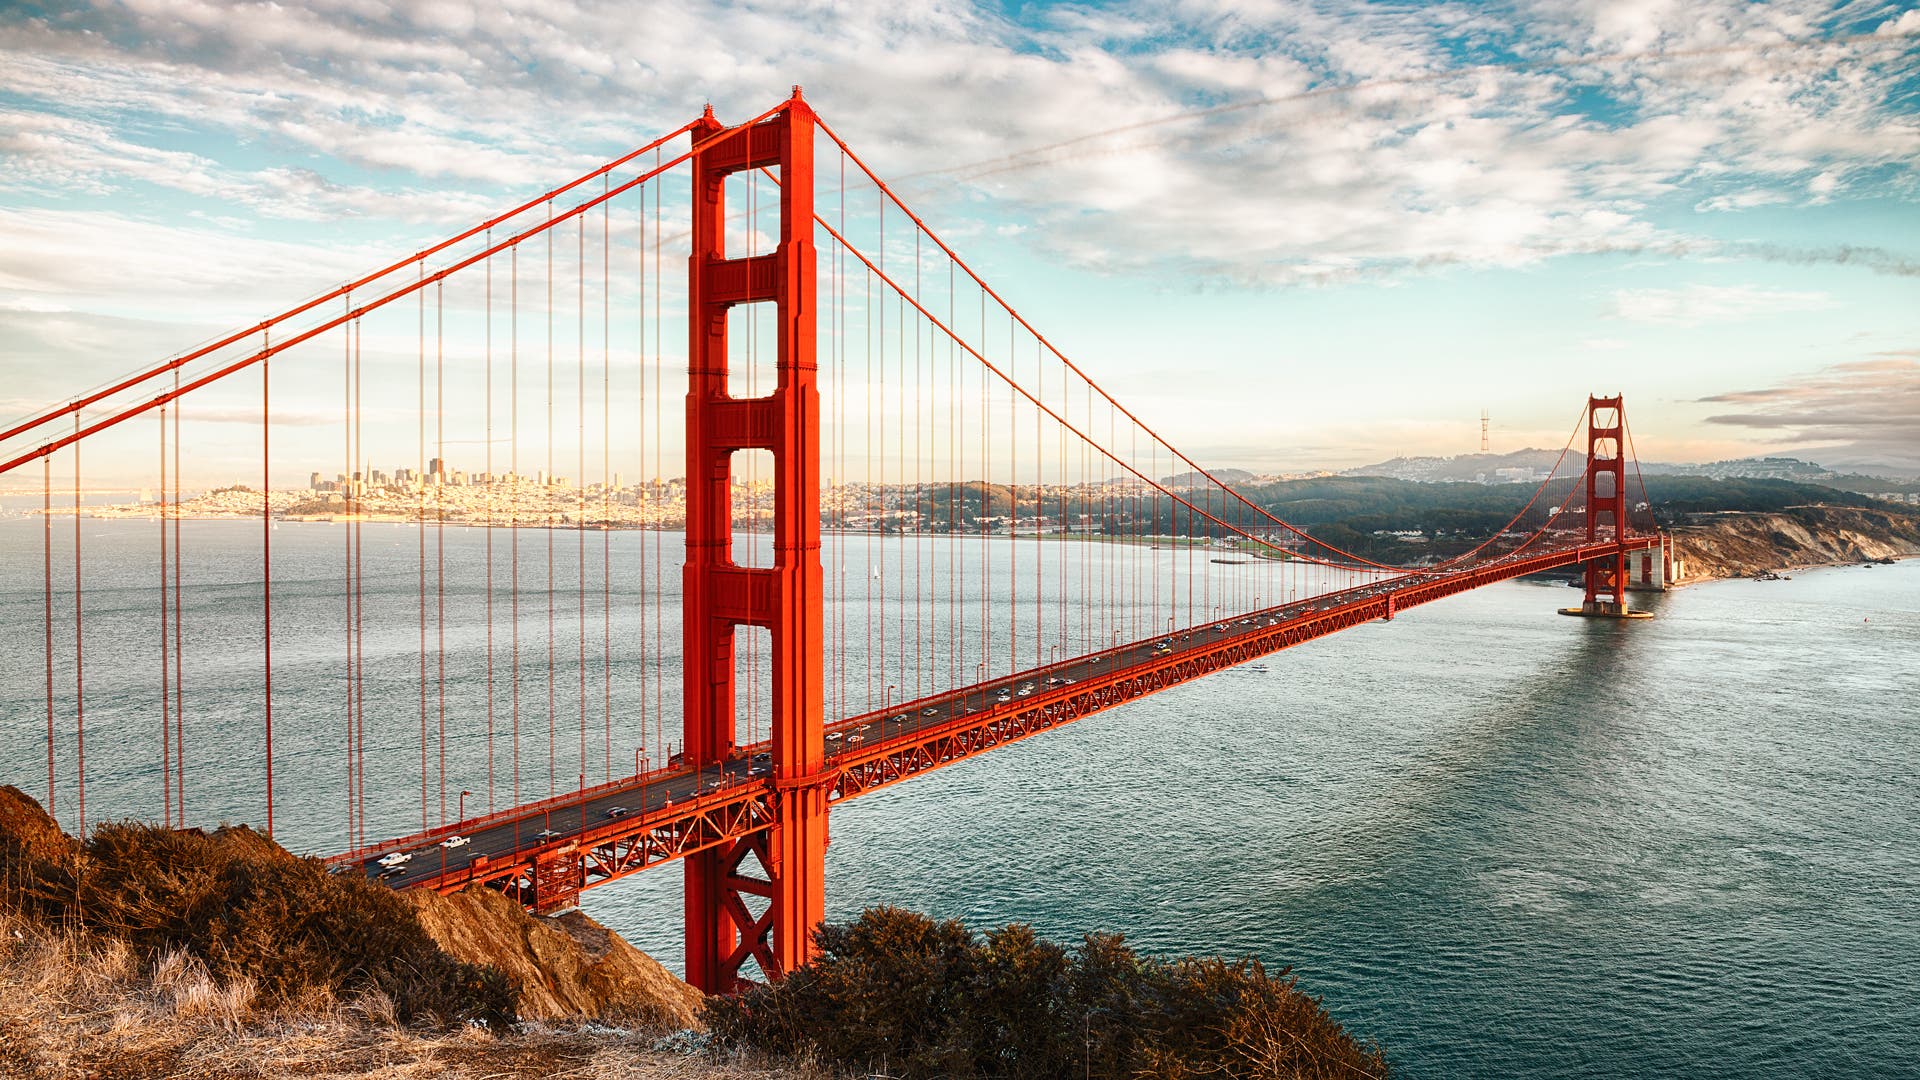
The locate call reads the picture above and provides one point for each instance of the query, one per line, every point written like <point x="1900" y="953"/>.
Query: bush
<point x="248" y="910"/>
<point x="899" y="991"/>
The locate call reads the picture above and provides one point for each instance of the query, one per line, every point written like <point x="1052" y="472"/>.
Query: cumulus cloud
<point x="1253" y="141"/>
<point x="1862" y="412"/>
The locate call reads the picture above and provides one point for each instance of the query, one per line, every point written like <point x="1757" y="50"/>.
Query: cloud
<point x="1693" y="305"/>
<point x="1249" y="142"/>
<point x="61" y="259"/>
<point x="1855" y="413"/>
<point x="1740" y="200"/>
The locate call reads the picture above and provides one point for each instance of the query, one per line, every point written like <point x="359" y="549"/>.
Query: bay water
<point x="1498" y="840"/>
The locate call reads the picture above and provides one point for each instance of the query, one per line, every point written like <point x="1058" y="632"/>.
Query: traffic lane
<point x="523" y="833"/>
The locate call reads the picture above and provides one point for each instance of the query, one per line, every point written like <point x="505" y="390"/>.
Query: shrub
<point x="900" y="991"/>
<point x="247" y="910"/>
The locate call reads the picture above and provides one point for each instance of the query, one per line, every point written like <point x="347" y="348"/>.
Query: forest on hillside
<point x="1357" y="514"/>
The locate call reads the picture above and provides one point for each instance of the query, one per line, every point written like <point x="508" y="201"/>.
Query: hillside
<point x="1743" y="544"/>
<point x="153" y="952"/>
<point x="1363" y="514"/>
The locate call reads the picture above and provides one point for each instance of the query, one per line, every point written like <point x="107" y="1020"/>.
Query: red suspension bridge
<point x="901" y="529"/>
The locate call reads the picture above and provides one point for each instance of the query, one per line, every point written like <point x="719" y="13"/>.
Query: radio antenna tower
<point x="1484" y="444"/>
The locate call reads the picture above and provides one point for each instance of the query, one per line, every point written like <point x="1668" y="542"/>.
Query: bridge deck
<point x="547" y="852"/>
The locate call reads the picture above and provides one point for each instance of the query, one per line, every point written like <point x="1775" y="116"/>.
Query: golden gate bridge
<point x="922" y="606"/>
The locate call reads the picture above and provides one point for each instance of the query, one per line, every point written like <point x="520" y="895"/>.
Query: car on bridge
<point x="395" y="858"/>
<point x="456" y="841"/>
<point x="618" y="811"/>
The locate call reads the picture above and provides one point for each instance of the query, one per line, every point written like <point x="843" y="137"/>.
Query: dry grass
<point x="74" y="1008"/>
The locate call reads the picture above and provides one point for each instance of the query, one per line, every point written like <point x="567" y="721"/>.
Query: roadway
<point x="555" y="821"/>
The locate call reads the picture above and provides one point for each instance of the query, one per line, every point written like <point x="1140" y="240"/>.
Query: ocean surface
<point x="1497" y="840"/>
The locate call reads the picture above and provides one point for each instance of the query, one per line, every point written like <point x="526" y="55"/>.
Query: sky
<point x="1292" y="236"/>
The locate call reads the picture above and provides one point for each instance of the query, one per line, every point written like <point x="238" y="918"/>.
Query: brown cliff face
<point x="1741" y="545"/>
<point x="565" y="966"/>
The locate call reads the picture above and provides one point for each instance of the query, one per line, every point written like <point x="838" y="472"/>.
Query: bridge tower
<point x="1606" y="511"/>
<point x="780" y="870"/>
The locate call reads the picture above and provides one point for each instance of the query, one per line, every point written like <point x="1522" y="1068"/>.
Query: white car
<point x="456" y="841"/>
<point x="395" y="858"/>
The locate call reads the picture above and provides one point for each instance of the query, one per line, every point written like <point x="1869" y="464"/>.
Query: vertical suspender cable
<point x="651" y="662"/>
<point x="546" y="497"/>
<point x="179" y="630"/>
<point x="346" y="529"/>
<point x="359" y="607"/>
<point x="79" y="669"/>
<point x="266" y="563"/>
<point x="867" y="494"/>
<point x="659" y="451"/>
<point x="46" y="529"/>
<point x="166" y="702"/>
<point x="513" y="498"/>
<point x="492" y="481"/>
<point x="419" y="524"/>
<point x="606" y="480"/>
<point x="921" y="522"/>
<point x="580" y="479"/>
<point x="440" y="523"/>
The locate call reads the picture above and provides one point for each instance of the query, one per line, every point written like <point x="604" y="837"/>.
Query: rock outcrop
<point x="28" y="834"/>
<point x="1742" y="544"/>
<point x="565" y="966"/>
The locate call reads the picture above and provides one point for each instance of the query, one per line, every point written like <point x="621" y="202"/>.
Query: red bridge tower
<point x="722" y="887"/>
<point x="1606" y="499"/>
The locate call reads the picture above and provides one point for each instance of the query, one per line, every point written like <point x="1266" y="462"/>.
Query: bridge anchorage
<point x="1020" y="550"/>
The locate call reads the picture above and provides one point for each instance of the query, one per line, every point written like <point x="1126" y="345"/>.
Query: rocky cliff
<point x="565" y="966"/>
<point x="1743" y="544"/>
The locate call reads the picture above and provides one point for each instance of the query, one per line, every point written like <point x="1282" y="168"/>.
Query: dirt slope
<point x="566" y="966"/>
